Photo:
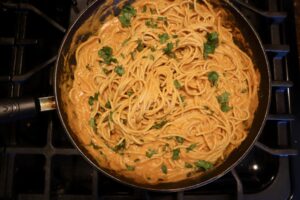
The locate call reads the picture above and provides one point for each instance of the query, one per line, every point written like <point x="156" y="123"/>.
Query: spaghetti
<point x="162" y="92"/>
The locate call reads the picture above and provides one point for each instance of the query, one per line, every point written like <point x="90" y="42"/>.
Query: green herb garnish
<point x="179" y="139"/>
<point x="223" y="100"/>
<point x="151" y="23"/>
<point x="140" y="45"/>
<point x="159" y="125"/>
<point x="130" y="168"/>
<point x="120" y="146"/>
<point x="168" y="50"/>
<point x="176" y="153"/>
<point x="93" y="98"/>
<point x="191" y="147"/>
<point x="163" y="19"/>
<point x="105" y="71"/>
<point x="213" y="78"/>
<point x="164" y="169"/>
<point x="106" y="54"/>
<point x="119" y="70"/>
<point x="126" y="41"/>
<point x="177" y="84"/>
<point x="127" y="13"/>
<point x="150" y="153"/>
<point x="144" y="9"/>
<point x="108" y="105"/>
<point x="203" y="165"/>
<point x="129" y="93"/>
<point x="163" y="38"/>
<point x="188" y="165"/>
<point x="92" y="122"/>
<point x="182" y="98"/>
<point x="211" y="44"/>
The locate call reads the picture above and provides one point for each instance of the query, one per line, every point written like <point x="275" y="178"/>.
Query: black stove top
<point x="37" y="160"/>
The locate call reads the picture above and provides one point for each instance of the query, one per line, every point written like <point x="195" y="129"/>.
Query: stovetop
<point x="37" y="160"/>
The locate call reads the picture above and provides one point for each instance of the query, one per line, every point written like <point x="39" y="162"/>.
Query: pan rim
<point x="178" y="189"/>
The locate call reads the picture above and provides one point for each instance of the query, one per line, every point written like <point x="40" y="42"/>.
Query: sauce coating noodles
<point x="161" y="92"/>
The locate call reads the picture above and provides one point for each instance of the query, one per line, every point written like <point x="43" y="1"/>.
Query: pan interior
<point x="88" y="23"/>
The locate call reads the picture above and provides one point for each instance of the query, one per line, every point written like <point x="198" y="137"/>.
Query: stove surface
<point x="39" y="162"/>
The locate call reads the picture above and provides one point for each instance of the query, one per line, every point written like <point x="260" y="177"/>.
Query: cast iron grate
<point x="39" y="162"/>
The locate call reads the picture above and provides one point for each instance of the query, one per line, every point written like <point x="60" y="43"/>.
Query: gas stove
<point x="39" y="162"/>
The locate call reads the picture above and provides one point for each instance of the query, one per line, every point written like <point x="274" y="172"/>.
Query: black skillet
<point x="87" y="23"/>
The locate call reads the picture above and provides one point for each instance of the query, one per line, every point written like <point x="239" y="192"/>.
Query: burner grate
<point x="39" y="162"/>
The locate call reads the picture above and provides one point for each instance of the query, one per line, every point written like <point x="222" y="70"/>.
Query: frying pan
<point x="87" y="24"/>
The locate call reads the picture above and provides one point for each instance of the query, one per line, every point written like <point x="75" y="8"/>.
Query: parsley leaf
<point x="188" y="165"/>
<point x="125" y="41"/>
<point x="164" y="169"/>
<point x="126" y="14"/>
<point x="191" y="147"/>
<point x="203" y="165"/>
<point x="120" y="146"/>
<point x="179" y="139"/>
<point x="108" y="105"/>
<point x="168" y="50"/>
<point x="211" y="44"/>
<point x="119" y="70"/>
<point x="163" y="38"/>
<point x="177" y="84"/>
<point x="150" y="153"/>
<point x="130" y="168"/>
<point x="151" y="23"/>
<point x="129" y="93"/>
<point x="93" y="98"/>
<point x="213" y="77"/>
<point x="223" y="100"/>
<point x="159" y="125"/>
<point x="92" y="122"/>
<point x="106" y="54"/>
<point x="140" y="46"/>
<point x="176" y="153"/>
<point x="144" y="9"/>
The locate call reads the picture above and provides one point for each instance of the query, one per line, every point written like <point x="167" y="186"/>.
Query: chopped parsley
<point x="108" y="105"/>
<point x="125" y="16"/>
<point x="188" y="165"/>
<point x="179" y="139"/>
<point x="92" y="122"/>
<point x="105" y="71"/>
<point x="223" y="100"/>
<point x="159" y="125"/>
<point x="203" y="165"/>
<point x="175" y="155"/>
<point x="213" y="78"/>
<point x="144" y="9"/>
<point x="129" y="93"/>
<point x="191" y="147"/>
<point x="150" y="153"/>
<point x="151" y="23"/>
<point x="130" y="168"/>
<point x="211" y="44"/>
<point x="120" y="146"/>
<point x="151" y="57"/>
<point x="152" y="11"/>
<point x="140" y="45"/>
<point x="182" y="98"/>
<point x="93" y="98"/>
<point x="132" y="54"/>
<point x="163" y="38"/>
<point x="168" y="50"/>
<point x="126" y="41"/>
<point x="106" y="54"/>
<point x="119" y="70"/>
<point x="164" y="169"/>
<point x="163" y="19"/>
<point x="177" y="84"/>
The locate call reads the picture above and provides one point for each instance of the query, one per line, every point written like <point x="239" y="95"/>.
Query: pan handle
<point x="19" y="108"/>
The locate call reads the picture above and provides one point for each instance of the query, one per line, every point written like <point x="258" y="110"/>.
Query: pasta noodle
<point x="161" y="92"/>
